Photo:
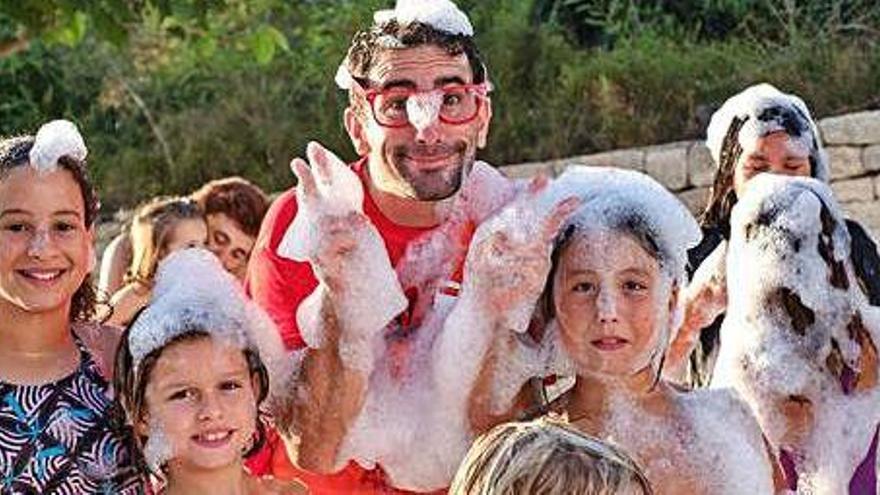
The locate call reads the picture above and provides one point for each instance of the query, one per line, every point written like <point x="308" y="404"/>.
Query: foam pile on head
<point x="442" y="15"/>
<point x="761" y="110"/>
<point x="193" y="293"/>
<point x="620" y="200"/>
<point x="54" y="140"/>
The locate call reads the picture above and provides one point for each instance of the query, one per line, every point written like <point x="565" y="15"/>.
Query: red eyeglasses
<point x="457" y="103"/>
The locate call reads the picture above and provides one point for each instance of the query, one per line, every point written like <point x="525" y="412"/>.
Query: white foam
<point x="751" y="103"/>
<point x="192" y="290"/>
<point x="158" y="449"/>
<point x="776" y="232"/>
<point x="442" y="15"/>
<point x="711" y="441"/>
<point x="54" y="140"/>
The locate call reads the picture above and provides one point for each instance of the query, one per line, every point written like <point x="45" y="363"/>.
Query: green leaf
<point x="279" y="38"/>
<point x="206" y="46"/>
<point x="72" y="32"/>
<point x="263" y="44"/>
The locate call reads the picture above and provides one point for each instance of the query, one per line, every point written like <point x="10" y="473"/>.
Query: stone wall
<point x="852" y="142"/>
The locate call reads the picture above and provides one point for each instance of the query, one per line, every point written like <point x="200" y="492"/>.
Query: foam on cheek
<point x="158" y="449"/>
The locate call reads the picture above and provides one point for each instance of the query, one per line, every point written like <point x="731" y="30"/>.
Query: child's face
<point x="45" y="246"/>
<point x="188" y="233"/>
<point x="611" y="300"/>
<point x="200" y="394"/>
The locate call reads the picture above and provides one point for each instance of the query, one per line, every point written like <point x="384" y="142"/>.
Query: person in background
<point x="549" y="457"/>
<point x="57" y="433"/>
<point x="158" y="229"/>
<point x="758" y="130"/>
<point x="234" y="209"/>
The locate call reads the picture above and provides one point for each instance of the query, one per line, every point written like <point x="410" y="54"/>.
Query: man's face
<point x="428" y="162"/>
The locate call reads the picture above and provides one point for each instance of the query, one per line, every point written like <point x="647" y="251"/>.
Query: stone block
<point x="867" y="214"/>
<point x="695" y="199"/>
<point x="701" y="168"/>
<point x="668" y="164"/>
<point x="632" y="159"/>
<point x="871" y="158"/>
<point x="529" y="170"/>
<point x="854" y="191"/>
<point x="854" y="128"/>
<point x="845" y="161"/>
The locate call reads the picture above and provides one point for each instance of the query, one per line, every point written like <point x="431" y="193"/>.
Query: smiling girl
<point x="56" y="428"/>
<point x="191" y="377"/>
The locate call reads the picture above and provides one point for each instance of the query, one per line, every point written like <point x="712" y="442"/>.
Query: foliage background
<point x="172" y="93"/>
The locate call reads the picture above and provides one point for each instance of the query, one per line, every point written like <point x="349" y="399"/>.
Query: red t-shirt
<point x="279" y="285"/>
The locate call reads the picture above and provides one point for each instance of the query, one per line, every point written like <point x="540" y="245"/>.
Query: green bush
<point x="181" y="103"/>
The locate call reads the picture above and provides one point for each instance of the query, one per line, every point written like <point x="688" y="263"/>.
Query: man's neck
<point x="407" y="212"/>
<point x="228" y="480"/>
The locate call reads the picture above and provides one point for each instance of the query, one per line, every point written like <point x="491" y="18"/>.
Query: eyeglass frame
<point x="481" y="90"/>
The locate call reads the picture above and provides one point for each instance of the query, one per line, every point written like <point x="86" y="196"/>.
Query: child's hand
<point x="509" y="261"/>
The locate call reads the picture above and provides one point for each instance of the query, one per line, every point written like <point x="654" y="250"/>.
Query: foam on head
<point x="615" y="199"/>
<point x="442" y="15"/>
<point x="194" y="292"/>
<point x="55" y="140"/>
<point x="765" y="110"/>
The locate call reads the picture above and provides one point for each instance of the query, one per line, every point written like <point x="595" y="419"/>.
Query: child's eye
<point x="634" y="286"/>
<point x="584" y="287"/>
<point x="230" y="385"/>
<point x="16" y="227"/>
<point x="65" y="227"/>
<point x="185" y="394"/>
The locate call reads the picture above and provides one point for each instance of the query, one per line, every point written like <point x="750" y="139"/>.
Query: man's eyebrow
<point x="443" y="81"/>
<point x="398" y="83"/>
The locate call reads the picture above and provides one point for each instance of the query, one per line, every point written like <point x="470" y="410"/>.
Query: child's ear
<point x="142" y="426"/>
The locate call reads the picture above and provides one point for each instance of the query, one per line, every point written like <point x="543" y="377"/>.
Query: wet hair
<point x="130" y="386"/>
<point x="391" y="35"/>
<point x="150" y="233"/>
<point x="717" y="213"/>
<point x="14" y="153"/>
<point x="237" y="198"/>
<point x="546" y="456"/>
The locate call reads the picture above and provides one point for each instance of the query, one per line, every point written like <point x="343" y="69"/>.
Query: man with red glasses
<point x="359" y="265"/>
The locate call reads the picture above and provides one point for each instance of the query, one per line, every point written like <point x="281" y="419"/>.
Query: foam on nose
<point x="423" y="109"/>
<point x="40" y="240"/>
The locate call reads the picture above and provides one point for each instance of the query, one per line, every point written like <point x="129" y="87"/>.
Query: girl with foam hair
<point x="192" y="371"/>
<point x="612" y="296"/>
<point x="800" y="335"/>
<point x="546" y="456"/>
<point x="57" y="430"/>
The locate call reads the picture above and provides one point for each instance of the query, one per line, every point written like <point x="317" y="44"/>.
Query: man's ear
<point x="354" y="125"/>
<point x="485" y="119"/>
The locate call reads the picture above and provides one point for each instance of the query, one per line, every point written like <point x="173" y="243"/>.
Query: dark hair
<point x="130" y="386"/>
<point x="717" y="213"/>
<point x="14" y="153"/>
<point x="237" y="198"/>
<point x="366" y="44"/>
